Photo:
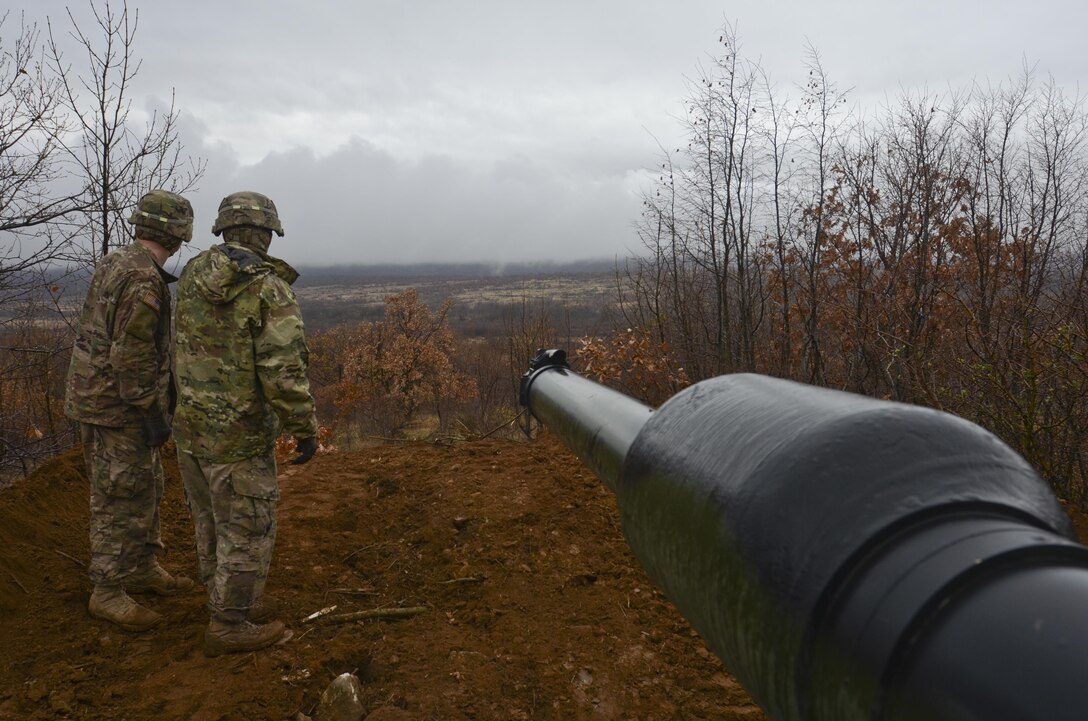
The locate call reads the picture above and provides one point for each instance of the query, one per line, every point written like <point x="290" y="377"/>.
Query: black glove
<point x="156" y="429"/>
<point x="171" y="395"/>
<point x="306" y="448"/>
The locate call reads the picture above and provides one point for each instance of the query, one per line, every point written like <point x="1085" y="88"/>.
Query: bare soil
<point x="535" y="608"/>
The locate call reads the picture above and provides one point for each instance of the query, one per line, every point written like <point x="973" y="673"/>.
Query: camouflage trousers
<point x="126" y="489"/>
<point x="233" y="506"/>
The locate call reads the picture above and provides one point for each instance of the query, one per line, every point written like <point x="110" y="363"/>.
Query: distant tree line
<point x="932" y="252"/>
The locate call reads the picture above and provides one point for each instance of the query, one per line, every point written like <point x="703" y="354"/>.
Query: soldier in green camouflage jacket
<point x="241" y="371"/>
<point x="119" y="389"/>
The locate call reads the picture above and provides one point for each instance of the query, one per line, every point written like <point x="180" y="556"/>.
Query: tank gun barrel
<point x="846" y="557"/>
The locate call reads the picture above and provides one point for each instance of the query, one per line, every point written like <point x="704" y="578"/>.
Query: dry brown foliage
<point x="933" y="253"/>
<point x="384" y="376"/>
<point x="634" y="363"/>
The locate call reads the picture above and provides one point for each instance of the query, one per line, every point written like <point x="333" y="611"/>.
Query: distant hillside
<point x="77" y="277"/>
<point x="325" y="275"/>
<point x="351" y="293"/>
<point x="578" y="301"/>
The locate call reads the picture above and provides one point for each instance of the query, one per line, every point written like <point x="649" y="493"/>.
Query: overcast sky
<point x="506" y="130"/>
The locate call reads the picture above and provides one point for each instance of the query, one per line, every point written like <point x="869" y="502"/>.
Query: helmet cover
<point x="164" y="217"/>
<point x="247" y="208"/>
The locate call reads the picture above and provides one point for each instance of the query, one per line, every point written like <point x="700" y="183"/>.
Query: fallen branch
<point x="18" y="583"/>
<point x="504" y="425"/>
<point x="353" y="591"/>
<point x="319" y="614"/>
<point x="375" y="613"/>
<point x="467" y="579"/>
<point x="70" y="558"/>
<point x="386" y="439"/>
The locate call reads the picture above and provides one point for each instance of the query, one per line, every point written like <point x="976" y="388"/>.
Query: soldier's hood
<point x="227" y="270"/>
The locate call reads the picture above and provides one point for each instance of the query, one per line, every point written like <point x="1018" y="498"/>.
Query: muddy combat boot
<point x="263" y="609"/>
<point x="153" y="578"/>
<point x="111" y="603"/>
<point x="221" y="638"/>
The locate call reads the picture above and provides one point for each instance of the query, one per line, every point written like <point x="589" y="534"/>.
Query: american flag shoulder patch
<point x="152" y="302"/>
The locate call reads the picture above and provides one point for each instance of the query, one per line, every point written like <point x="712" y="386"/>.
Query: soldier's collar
<point x="284" y="270"/>
<point x="246" y="257"/>
<point x="166" y="275"/>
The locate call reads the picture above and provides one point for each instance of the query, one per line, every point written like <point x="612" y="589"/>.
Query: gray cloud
<point x="362" y="205"/>
<point x="497" y="130"/>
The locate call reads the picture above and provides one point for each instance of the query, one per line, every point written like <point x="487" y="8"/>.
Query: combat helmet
<point x="164" y="217"/>
<point x="247" y="209"/>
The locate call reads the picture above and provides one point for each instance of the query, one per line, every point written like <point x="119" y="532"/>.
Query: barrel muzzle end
<point x="545" y="358"/>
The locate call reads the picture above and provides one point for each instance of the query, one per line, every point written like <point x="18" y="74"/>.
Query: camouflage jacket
<point x="241" y="356"/>
<point x="120" y="368"/>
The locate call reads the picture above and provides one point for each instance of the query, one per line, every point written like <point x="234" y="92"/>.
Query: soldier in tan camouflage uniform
<point x="241" y="369"/>
<point x="119" y="389"/>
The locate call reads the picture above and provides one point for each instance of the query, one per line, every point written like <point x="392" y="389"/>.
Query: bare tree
<point x="117" y="162"/>
<point x="822" y="120"/>
<point x="33" y="205"/>
<point x="71" y="165"/>
<point x="32" y="198"/>
<point x="777" y="128"/>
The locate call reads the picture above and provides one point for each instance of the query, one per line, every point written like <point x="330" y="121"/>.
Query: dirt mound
<point x="535" y="607"/>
